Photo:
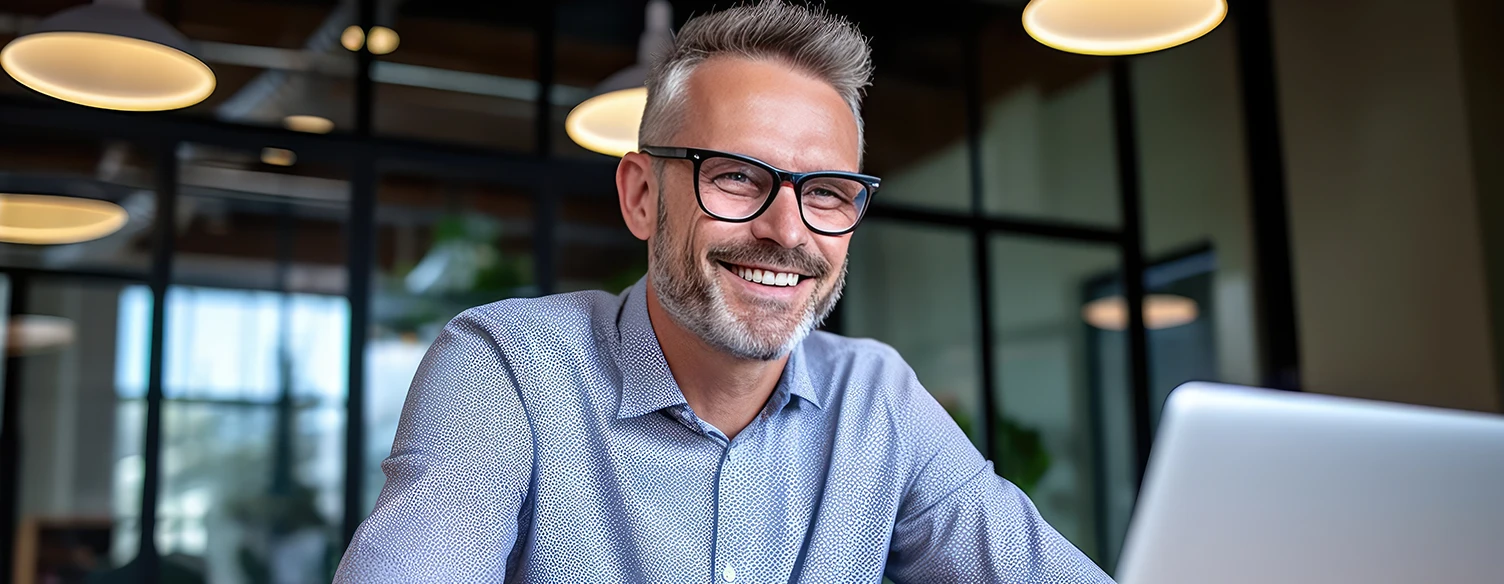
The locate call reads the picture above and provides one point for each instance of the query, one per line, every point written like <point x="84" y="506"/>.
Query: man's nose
<point x="781" y="222"/>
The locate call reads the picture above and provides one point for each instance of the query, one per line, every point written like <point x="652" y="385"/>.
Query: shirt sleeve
<point x="458" y="473"/>
<point x="959" y="521"/>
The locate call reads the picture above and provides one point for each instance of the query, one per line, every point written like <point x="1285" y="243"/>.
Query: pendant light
<point x="1161" y="311"/>
<point x="607" y="122"/>
<point x="110" y="55"/>
<point x="56" y="220"/>
<point x="1120" y="27"/>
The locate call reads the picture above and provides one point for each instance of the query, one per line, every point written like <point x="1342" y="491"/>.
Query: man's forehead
<point x="769" y="110"/>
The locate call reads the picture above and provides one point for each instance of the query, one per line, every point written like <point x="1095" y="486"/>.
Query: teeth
<point x="767" y="277"/>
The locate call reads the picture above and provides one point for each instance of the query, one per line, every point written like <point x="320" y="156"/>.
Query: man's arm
<point x="961" y="522"/>
<point x="458" y="473"/>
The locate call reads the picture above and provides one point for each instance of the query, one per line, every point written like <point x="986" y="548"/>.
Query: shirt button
<point x="728" y="574"/>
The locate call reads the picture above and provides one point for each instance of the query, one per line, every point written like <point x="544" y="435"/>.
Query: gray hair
<point x="809" y="39"/>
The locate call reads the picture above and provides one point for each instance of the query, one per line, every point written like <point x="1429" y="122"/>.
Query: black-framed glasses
<point x="737" y="188"/>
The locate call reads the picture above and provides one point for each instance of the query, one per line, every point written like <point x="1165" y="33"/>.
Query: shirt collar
<point x="647" y="383"/>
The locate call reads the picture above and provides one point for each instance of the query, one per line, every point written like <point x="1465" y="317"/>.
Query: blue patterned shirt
<point x="545" y="440"/>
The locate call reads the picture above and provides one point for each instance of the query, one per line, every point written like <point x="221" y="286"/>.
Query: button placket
<point x="733" y="504"/>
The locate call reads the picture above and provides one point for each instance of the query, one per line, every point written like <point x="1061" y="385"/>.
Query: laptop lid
<point x="1255" y="486"/>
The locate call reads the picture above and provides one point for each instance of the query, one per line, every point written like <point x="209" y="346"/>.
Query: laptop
<point x="1258" y="486"/>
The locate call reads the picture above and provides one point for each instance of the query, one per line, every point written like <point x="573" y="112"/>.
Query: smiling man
<point x="694" y="428"/>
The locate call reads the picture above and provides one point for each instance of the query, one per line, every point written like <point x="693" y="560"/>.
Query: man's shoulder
<point x="860" y="362"/>
<point x="831" y="347"/>
<point x="569" y="317"/>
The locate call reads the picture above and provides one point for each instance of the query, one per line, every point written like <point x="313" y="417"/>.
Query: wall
<point x="1386" y="242"/>
<point x="1483" y="71"/>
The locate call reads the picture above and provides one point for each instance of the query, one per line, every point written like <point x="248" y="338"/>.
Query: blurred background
<point x="1308" y="197"/>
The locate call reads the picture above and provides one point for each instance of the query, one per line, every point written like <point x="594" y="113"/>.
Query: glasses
<point x="737" y="188"/>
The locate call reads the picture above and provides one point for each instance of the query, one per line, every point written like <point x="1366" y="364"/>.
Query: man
<point x="693" y="428"/>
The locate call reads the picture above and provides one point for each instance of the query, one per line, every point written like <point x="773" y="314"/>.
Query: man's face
<point x="766" y="110"/>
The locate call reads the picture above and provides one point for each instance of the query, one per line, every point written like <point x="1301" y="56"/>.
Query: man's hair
<point x="809" y="39"/>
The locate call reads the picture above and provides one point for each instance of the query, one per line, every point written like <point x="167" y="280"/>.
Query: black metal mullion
<point x="1126" y="138"/>
<point x="1012" y="226"/>
<point x="361" y="256"/>
<point x="981" y="252"/>
<point x="545" y="195"/>
<point x="10" y="440"/>
<point x="1274" y="284"/>
<point x="86" y="273"/>
<point x="160" y="280"/>
<point x="359" y="253"/>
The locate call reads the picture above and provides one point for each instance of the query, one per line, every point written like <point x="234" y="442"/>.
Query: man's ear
<point x="635" y="187"/>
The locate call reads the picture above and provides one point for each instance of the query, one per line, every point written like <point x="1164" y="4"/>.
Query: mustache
<point x="771" y="254"/>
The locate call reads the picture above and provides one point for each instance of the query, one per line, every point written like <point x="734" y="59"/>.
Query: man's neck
<point x="723" y="390"/>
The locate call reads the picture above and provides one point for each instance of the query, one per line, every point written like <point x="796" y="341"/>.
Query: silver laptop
<point x="1259" y="486"/>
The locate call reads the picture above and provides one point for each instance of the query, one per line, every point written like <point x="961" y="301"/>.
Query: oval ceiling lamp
<point x="55" y="220"/>
<point x="109" y="56"/>
<point x="309" y="123"/>
<point x="353" y="38"/>
<point x="1120" y="27"/>
<point x="1161" y="311"/>
<point x="382" y="40"/>
<point x="607" y="122"/>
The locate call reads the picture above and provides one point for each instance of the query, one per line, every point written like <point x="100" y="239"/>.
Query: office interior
<point x="1308" y="197"/>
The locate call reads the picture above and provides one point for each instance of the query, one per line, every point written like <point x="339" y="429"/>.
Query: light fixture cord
<point x="657" y="31"/>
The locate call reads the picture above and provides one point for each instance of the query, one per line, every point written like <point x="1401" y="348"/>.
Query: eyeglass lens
<point x="736" y="189"/>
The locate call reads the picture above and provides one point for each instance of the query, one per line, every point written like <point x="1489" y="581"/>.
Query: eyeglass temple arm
<point x="666" y="152"/>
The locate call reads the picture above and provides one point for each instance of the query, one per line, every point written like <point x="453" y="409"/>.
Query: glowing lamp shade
<point x="52" y="220"/>
<point x="1161" y="311"/>
<point x="308" y="123"/>
<point x="1120" y="27"/>
<point x="109" y="57"/>
<point x="607" y="123"/>
<point x="278" y="156"/>
<point x="353" y="38"/>
<point x="382" y="40"/>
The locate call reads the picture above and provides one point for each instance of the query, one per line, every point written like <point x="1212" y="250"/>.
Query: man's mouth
<point x="766" y="277"/>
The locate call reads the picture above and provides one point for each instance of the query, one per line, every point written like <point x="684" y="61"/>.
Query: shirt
<point x="545" y="440"/>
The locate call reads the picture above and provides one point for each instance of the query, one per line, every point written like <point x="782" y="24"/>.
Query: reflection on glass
<point x="1195" y="185"/>
<point x="442" y="246"/>
<point x="916" y="120"/>
<point x="912" y="287"/>
<point x="75" y="169"/>
<point x="1053" y="429"/>
<point x="79" y="439"/>
<point x="1047" y="134"/>
<point x="254" y="369"/>
<point x="253" y="427"/>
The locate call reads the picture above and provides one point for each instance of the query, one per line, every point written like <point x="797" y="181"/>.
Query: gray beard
<point x="691" y="294"/>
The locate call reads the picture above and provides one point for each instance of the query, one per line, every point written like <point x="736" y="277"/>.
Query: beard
<point x="690" y="291"/>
